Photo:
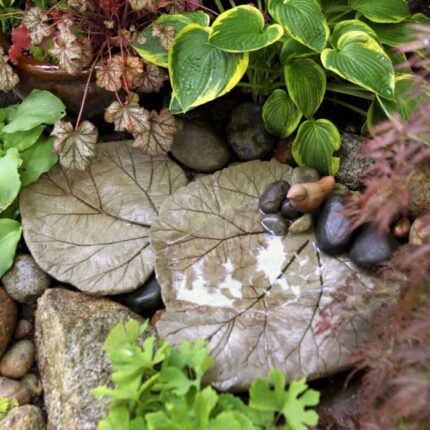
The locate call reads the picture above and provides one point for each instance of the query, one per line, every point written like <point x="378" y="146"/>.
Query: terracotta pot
<point x="69" y="88"/>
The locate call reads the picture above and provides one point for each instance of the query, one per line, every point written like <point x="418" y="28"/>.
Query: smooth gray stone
<point x="271" y="199"/>
<point x="288" y="211"/>
<point x="274" y="224"/>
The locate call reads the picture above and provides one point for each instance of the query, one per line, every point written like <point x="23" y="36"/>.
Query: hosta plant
<point x="25" y="153"/>
<point x="298" y="53"/>
<point x="94" y="37"/>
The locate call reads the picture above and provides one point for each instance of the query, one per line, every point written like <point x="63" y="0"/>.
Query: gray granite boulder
<point x="70" y="330"/>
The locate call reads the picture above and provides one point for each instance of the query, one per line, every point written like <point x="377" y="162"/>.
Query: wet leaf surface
<point x="90" y="229"/>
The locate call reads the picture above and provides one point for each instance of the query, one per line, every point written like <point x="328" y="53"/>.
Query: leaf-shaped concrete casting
<point x="256" y="298"/>
<point x="90" y="229"/>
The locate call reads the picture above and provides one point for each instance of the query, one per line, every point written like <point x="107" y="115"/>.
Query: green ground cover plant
<point x="161" y="387"/>
<point x="5" y="406"/>
<point x="310" y="51"/>
<point x="25" y="153"/>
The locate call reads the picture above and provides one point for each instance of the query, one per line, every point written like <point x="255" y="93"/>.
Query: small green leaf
<point x="149" y="46"/>
<point x="37" y="160"/>
<point x="359" y="59"/>
<point x="302" y="20"/>
<point x="382" y="10"/>
<point x="350" y="25"/>
<point x="242" y="29"/>
<point x="22" y="140"/>
<point x="293" y="49"/>
<point x="314" y="145"/>
<point x="281" y="116"/>
<point x="306" y="84"/>
<point x="10" y="234"/>
<point x="10" y="182"/>
<point x="39" y="107"/>
<point x="198" y="71"/>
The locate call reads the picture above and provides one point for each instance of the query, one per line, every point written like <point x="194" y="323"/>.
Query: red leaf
<point x="111" y="6"/>
<point x="21" y="39"/>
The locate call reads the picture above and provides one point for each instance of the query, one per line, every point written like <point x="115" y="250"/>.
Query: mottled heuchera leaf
<point x="151" y="80"/>
<point x="149" y="5"/>
<point x="8" y="78"/>
<point x="109" y="75"/>
<point x="256" y="298"/>
<point x="20" y="40"/>
<point x="157" y="138"/>
<point x="80" y="5"/>
<point x="166" y="34"/>
<point x="90" y="229"/>
<point x="128" y="116"/>
<point x="133" y="68"/>
<point x="75" y="147"/>
<point x="69" y="52"/>
<point x="36" y="19"/>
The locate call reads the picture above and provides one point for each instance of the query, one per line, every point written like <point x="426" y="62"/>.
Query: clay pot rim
<point x="39" y="68"/>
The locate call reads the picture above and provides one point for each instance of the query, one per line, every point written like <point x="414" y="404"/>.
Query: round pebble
<point x="33" y="384"/>
<point x="288" y="211"/>
<point x="8" y="317"/>
<point x="28" y="417"/>
<point x="274" y="224"/>
<point x="302" y="224"/>
<point x="12" y="389"/>
<point x="23" y="329"/>
<point x="419" y="233"/>
<point x="273" y="196"/>
<point x="303" y="175"/>
<point x="18" y="360"/>
<point x="25" y="282"/>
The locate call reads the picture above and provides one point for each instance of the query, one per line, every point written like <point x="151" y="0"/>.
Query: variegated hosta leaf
<point x="128" y="116"/>
<point x="158" y="137"/>
<point x="258" y="299"/>
<point x="109" y="75"/>
<point x="90" y="229"/>
<point x="75" y="147"/>
<point x="69" y="52"/>
<point x="151" y="80"/>
<point x="35" y="20"/>
<point x="166" y="34"/>
<point x="149" y="5"/>
<point x="8" y="78"/>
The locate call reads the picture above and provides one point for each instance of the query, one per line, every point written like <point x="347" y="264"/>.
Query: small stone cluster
<point x="289" y="208"/>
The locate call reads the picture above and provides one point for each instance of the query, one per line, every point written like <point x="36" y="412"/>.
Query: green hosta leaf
<point x="22" y="140"/>
<point x="293" y="49"/>
<point x="39" y="107"/>
<point x="359" y="59"/>
<point x="293" y="403"/>
<point x="199" y="72"/>
<point x="395" y="34"/>
<point x="306" y="83"/>
<point x="350" y="25"/>
<point x="242" y="29"/>
<point x="10" y="234"/>
<point x="10" y="183"/>
<point x="314" y="145"/>
<point x="406" y="101"/>
<point x="382" y="10"/>
<point x="149" y="44"/>
<point x="280" y="114"/>
<point x="302" y="20"/>
<point x="37" y="160"/>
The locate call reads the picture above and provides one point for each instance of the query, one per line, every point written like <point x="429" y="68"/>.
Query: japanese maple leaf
<point x="166" y="34"/>
<point x="21" y="39"/>
<point x="158" y="137"/>
<point x="149" y="5"/>
<point x="128" y="116"/>
<point x="8" y="78"/>
<point x="151" y="80"/>
<point x="75" y="147"/>
<point x="35" y="19"/>
<point x="109" y="75"/>
<point x="69" y="52"/>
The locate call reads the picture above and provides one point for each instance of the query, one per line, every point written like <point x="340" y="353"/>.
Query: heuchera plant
<point x="160" y="387"/>
<point x="299" y="52"/>
<point x="95" y="37"/>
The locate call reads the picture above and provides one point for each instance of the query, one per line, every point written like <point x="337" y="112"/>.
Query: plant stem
<point x="219" y="5"/>
<point x="349" y="106"/>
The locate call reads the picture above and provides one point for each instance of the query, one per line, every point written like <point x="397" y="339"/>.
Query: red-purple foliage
<point x="20" y="40"/>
